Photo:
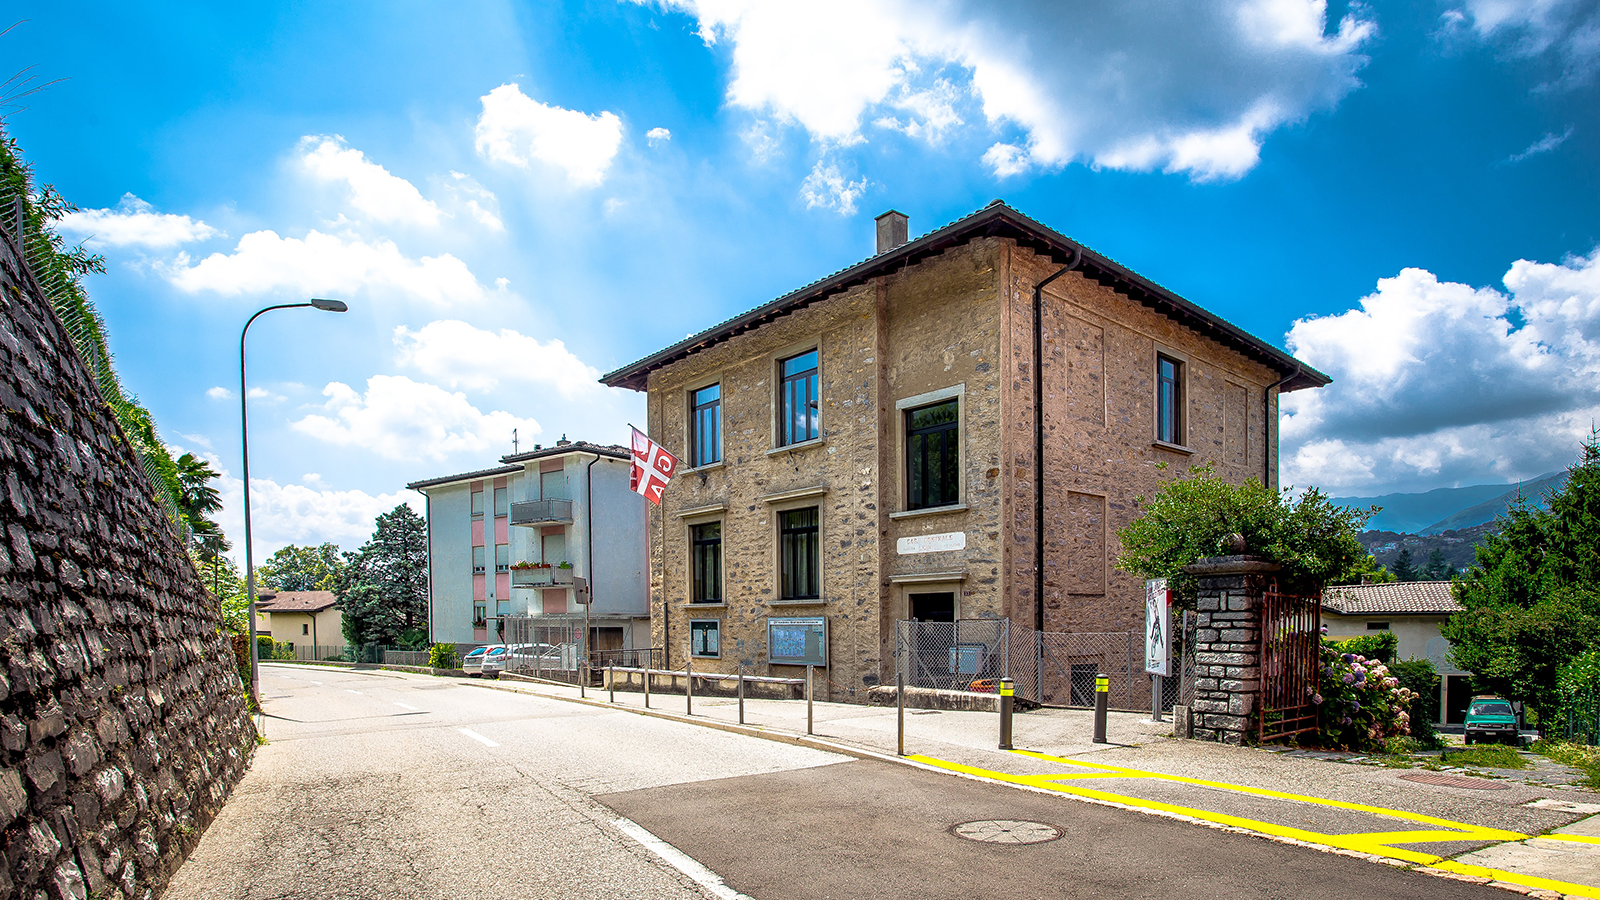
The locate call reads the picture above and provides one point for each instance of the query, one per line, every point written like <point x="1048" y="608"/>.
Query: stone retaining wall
<point x="122" y="719"/>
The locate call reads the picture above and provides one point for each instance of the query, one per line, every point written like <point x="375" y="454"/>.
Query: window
<point x="933" y="460"/>
<point x="1377" y="626"/>
<point x="1169" y="400"/>
<point x="553" y="485"/>
<point x="797" y="399"/>
<point x="502" y="505"/>
<point x="305" y="629"/>
<point x="797" y="553"/>
<point x="553" y="548"/>
<point x="707" y="541"/>
<point x="480" y="614"/>
<point x="705" y="638"/>
<point x="477" y="504"/>
<point x="705" y="426"/>
<point x="502" y="557"/>
<point x="477" y="561"/>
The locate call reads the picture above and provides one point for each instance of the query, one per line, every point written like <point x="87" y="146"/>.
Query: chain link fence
<point x="1049" y="668"/>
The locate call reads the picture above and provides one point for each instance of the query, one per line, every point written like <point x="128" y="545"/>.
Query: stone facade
<point x="1227" y="647"/>
<point x="956" y="322"/>
<point x="122" y="719"/>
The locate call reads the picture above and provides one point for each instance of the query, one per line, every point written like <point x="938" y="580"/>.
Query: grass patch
<point x="1583" y="758"/>
<point x="1486" y="756"/>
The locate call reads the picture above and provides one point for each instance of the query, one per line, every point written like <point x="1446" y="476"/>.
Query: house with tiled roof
<point x="952" y="429"/>
<point x="1412" y="611"/>
<point x="307" y="618"/>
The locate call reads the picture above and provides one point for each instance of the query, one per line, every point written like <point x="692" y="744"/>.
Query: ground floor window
<point x="798" y="560"/>
<point x="705" y="638"/>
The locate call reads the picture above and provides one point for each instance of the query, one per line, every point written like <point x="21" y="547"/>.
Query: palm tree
<point x="197" y="499"/>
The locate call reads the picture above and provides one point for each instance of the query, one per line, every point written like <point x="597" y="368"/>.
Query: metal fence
<point x="1049" y="668"/>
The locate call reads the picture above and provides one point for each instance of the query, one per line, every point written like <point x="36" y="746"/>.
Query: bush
<point x="1362" y="702"/>
<point x="1578" y="686"/>
<point x="1379" y="645"/>
<point x="443" y="656"/>
<point x="1419" y="677"/>
<point x="264" y="646"/>
<point x="1195" y="517"/>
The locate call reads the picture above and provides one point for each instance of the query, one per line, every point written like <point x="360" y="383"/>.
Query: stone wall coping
<point x="1246" y="564"/>
<point x="924" y="577"/>
<point x="706" y="510"/>
<point x="797" y="494"/>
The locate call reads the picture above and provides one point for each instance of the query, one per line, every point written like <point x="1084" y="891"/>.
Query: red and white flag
<point x="653" y="467"/>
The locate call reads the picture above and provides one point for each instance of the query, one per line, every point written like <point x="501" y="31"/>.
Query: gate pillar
<point x="1227" y="646"/>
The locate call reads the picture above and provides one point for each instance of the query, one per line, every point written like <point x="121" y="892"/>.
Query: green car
<point x="1491" y="718"/>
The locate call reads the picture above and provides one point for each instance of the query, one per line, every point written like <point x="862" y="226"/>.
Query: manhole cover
<point x="1455" y="781"/>
<point x="1006" y="831"/>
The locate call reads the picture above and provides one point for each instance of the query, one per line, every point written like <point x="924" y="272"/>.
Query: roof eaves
<point x="991" y="220"/>
<point x="614" y="451"/>
<point x="464" y="476"/>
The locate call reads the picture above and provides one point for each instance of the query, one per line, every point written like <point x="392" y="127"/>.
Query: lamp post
<point x="244" y="438"/>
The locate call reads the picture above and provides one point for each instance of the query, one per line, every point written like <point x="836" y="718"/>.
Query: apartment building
<point x="507" y="541"/>
<point x="875" y="446"/>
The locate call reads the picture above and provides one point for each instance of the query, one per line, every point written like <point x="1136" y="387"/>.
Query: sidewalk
<point x="1493" y="830"/>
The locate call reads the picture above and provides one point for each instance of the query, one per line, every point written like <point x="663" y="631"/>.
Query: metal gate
<point x="1291" y="657"/>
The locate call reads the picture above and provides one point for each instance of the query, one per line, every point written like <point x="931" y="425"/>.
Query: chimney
<point x="892" y="230"/>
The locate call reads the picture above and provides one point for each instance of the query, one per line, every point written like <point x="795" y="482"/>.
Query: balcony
<point x="539" y="577"/>
<point x="542" y="512"/>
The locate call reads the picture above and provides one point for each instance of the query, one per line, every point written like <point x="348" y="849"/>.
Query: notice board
<point x="797" y="641"/>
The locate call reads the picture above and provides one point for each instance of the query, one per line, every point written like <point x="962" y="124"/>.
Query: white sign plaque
<point x="1157" y="627"/>
<point x="931" y="543"/>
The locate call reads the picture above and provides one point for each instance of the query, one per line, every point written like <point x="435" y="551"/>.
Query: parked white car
<point x="493" y="661"/>
<point x="472" y="663"/>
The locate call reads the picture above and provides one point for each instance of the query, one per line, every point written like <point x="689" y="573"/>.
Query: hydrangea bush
<point x="1362" y="703"/>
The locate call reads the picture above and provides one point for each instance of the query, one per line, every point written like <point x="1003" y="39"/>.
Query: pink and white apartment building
<point x="491" y="534"/>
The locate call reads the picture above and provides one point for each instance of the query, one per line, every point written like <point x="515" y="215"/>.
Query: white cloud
<point x="324" y="265"/>
<point x="657" y="136"/>
<point x="135" y="223"/>
<point x="825" y="187"/>
<point x="461" y="356"/>
<point x="1438" y="383"/>
<point x="1546" y="144"/>
<point x="261" y="393"/>
<point x="283" y="514"/>
<point x="516" y="129"/>
<point x="1193" y="88"/>
<point x="480" y="202"/>
<point x="1567" y="31"/>
<point x="398" y="418"/>
<point x="219" y="393"/>
<point x="373" y="190"/>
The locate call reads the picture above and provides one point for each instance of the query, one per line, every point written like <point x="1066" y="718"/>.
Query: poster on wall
<point x="1157" y="627"/>
<point x="798" y="641"/>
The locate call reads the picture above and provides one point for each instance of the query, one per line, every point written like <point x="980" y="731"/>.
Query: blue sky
<point x="515" y="198"/>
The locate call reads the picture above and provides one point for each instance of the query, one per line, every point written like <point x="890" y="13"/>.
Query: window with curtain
<point x="705" y="426"/>
<point x="707" y="550"/>
<point x="799" y="562"/>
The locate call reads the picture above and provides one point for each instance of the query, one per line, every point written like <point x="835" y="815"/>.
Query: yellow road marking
<point x="1574" y="838"/>
<point x="1377" y="843"/>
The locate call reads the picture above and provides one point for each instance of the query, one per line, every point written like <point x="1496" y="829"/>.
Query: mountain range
<point x="1451" y="509"/>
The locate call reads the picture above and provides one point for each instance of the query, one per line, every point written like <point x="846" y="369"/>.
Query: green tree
<point x="383" y="592"/>
<point x="296" y="568"/>
<point x="1404" y="568"/>
<point x="222" y="577"/>
<point x="197" y="498"/>
<point x="1437" y="568"/>
<point x="1531" y="602"/>
<point x="1193" y="517"/>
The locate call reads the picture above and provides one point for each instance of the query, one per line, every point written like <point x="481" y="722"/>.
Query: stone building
<point x="863" y="450"/>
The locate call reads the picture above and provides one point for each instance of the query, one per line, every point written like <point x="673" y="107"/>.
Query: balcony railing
<point x="535" y="577"/>
<point x="542" y="512"/>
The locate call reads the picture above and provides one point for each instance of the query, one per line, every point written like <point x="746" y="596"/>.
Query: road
<point x="386" y="785"/>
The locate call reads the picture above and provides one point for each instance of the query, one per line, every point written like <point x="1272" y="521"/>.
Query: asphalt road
<point x="384" y="785"/>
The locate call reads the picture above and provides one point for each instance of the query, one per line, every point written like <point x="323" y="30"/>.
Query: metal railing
<point x="541" y="512"/>
<point x="1291" y="662"/>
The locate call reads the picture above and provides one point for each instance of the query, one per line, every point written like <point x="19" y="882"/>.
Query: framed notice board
<point x="798" y="641"/>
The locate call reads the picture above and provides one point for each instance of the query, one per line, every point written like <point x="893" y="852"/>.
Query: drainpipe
<point x="1038" y="436"/>
<point x="1266" y="422"/>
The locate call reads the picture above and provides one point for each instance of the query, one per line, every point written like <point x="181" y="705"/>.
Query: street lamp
<point x="244" y="436"/>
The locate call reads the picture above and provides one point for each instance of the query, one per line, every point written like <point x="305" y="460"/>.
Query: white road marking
<point x="477" y="737"/>
<point x="679" y="860"/>
<point x="348" y="691"/>
<point x="406" y="706"/>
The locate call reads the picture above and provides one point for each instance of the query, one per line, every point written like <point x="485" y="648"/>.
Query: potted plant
<point x="563" y="573"/>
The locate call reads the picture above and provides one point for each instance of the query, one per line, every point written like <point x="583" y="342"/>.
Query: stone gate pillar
<point x="1227" y="646"/>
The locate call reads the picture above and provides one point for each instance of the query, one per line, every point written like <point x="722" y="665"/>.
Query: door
<point x="939" y="606"/>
